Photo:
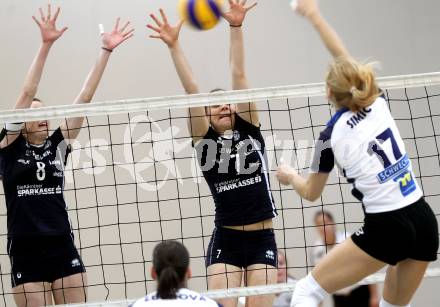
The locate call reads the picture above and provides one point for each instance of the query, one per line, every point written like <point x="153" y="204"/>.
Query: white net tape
<point x="184" y="101"/>
<point x="257" y="290"/>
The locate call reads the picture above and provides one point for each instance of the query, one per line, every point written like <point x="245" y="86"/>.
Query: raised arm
<point x="334" y="44"/>
<point x="72" y="126"/>
<point x="197" y="121"/>
<point x="49" y="34"/>
<point x="235" y="17"/>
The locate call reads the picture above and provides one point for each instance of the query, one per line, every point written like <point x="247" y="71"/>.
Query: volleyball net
<point x="133" y="180"/>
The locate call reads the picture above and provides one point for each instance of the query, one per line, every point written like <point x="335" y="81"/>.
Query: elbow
<point x="312" y="197"/>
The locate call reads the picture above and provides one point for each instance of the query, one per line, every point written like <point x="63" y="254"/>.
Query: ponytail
<point x="168" y="283"/>
<point x="171" y="263"/>
<point x="352" y="84"/>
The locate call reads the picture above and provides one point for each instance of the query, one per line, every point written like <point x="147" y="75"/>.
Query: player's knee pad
<point x="384" y="303"/>
<point x="308" y="293"/>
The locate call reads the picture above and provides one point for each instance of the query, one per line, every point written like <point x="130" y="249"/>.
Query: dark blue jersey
<point x="237" y="174"/>
<point x="33" y="182"/>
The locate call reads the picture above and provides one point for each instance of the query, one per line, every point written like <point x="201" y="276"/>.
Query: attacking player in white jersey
<point x="171" y="270"/>
<point x="362" y="138"/>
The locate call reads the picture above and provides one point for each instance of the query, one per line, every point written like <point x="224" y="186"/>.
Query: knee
<point x="308" y="293"/>
<point x="384" y="303"/>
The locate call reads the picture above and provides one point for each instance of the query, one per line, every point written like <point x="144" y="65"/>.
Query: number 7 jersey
<point x="368" y="149"/>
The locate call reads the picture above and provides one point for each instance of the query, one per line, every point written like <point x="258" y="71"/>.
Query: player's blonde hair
<point x="352" y="84"/>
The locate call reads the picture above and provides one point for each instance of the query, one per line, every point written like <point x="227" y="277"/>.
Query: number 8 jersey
<point x="368" y="149"/>
<point x="33" y="182"/>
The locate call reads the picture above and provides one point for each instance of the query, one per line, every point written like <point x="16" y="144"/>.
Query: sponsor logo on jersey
<point x="394" y="170"/>
<point x="406" y="183"/>
<point x="236" y="183"/>
<point x="23" y="161"/>
<point x="55" y="162"/>
<point x="18" y="275"/>
<point x="37" y="189"/>
<point x="58" y="174"/>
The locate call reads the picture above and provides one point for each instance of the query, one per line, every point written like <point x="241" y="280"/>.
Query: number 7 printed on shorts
<point x="218" y="253"/>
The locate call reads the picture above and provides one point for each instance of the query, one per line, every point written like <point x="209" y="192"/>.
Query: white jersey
<point x="185" y="298"/>
<point x="369" y="150"/>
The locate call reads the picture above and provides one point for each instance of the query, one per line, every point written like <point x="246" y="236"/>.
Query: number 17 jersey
<point x="33" y="182"/>
<point x="368" y="148"/>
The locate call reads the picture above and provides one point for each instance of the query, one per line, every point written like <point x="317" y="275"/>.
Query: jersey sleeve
<point x="323" y="158"/>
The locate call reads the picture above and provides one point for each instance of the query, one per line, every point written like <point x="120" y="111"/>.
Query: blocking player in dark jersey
<point x="171" y="271"/>
<point x="46" y="267"/>
<point x="362" y="138"/>
<point x="231" y="153"/>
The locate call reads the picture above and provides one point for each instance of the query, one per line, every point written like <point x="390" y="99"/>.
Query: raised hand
<point x="117" y="36"/>
<point x="307" y="8"/>
<point x="46" y="23"/>
<point x="237" y="12"/>
<point x="167" y="33"/>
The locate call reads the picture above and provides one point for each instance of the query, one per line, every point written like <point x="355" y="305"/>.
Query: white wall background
<point x="282" y="48"/>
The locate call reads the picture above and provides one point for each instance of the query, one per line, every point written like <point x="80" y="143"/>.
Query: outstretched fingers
<point x="57" y="12"/>
<point x="180" y="24"/>
<point x="250" y="7"/>
<point x="36" y="21"/>
<point x="49" y="11"/>
<point x="157" y="21"/>
<point x="155" y="29"/>
<point x="64" y="30"/>
<point x="116" y="28"/>
<point x="43" y="18"/>
<point x="164" y="17"/>
<point x="128" y="33"/>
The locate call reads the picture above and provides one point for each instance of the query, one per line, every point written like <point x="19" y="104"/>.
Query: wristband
<point x="107" y="49"/>
<point x="235" y="26"/>
<point x="14" y="127"/>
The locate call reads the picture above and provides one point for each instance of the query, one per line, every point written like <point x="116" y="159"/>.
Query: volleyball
<point x="201" y="14"/>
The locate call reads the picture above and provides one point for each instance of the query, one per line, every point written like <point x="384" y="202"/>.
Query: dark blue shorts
<point x="242" y="248"/>
<point x="43" y="259"/>
<point x="410" y="232"/>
